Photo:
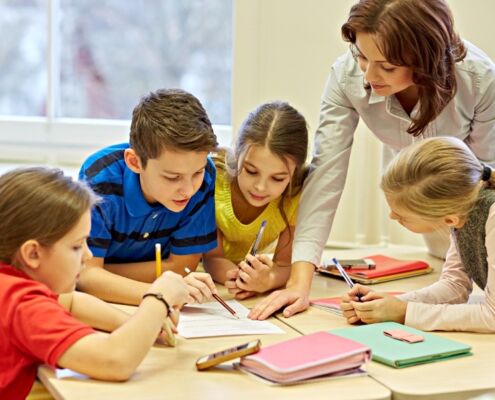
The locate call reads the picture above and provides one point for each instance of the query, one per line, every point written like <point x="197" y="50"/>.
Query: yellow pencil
<point x="158" y="270"/>
<point x="158" y="258"/>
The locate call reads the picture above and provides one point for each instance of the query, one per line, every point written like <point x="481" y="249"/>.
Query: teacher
<point x="409" y="76"/>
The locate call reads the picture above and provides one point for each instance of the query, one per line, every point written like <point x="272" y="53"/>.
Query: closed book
<point x="386" y="269"/>
<point x="305" y="357"/>
<point x="398" y="353"/>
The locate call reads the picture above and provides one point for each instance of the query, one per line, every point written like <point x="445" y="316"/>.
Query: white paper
<point x="212" y="319"/>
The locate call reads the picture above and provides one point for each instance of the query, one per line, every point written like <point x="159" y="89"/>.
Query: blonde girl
<point x="261" y="180"/>
<point x="433" y="184"/>
<point x="44" y="223"/>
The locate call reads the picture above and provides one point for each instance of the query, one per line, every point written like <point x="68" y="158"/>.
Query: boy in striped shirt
<point x="158" y="188"/>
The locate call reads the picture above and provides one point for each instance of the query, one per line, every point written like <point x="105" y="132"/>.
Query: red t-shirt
<point x="34" y="329"/>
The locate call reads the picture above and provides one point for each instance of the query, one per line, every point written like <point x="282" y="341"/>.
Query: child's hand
<point x="231" y="285"/>
<point x="172" y="287"/>
<point x="173" y="321"/>
<point x="255" y="276"/>
<point x="357" y="293"/>
<point x="379" y="307"/>
<point x="200" y="287"/>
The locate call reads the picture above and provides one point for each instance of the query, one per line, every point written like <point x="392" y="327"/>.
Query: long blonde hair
<point x="41" y="204"/>
<point x="435" y="177"/>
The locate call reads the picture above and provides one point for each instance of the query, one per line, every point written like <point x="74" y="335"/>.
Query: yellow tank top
<point x="238" y="237"/>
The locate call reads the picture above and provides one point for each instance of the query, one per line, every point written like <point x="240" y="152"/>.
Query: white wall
<point x="284" y="49"/>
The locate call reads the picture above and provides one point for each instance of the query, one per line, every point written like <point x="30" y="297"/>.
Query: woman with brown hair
<point x="409" y="76"/>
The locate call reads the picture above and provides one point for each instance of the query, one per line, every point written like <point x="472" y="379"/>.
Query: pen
<point x="257" y="241"/>
<point x="158" y="270"/>
<point x="219" y="299"/>
<point x="344" y="274"/>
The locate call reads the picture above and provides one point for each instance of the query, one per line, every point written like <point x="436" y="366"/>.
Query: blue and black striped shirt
<point x="125" y="227"/>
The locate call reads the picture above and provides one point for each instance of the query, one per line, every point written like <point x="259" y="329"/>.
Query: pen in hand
<point x="218" y="298"/>
<point x="344" y="274"/>
<point x="257" y="241"/>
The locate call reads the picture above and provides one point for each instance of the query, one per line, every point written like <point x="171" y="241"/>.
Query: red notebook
<point x="305" y="357"/>
<point x="387" y="268"/>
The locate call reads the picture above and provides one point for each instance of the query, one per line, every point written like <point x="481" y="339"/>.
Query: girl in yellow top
<point x="260" y="180"/>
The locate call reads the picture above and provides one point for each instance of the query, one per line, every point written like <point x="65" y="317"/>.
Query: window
<point x="67" y="61"/>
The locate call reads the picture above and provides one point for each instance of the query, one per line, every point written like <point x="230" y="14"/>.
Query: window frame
<point x="63" y="141"/>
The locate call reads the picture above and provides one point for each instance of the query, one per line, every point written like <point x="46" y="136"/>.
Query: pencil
<point x="158" y="259"/>
<point x="158" y="270"/>
<point x="219" y="299"/>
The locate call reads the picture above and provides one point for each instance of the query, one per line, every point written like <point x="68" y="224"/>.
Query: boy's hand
<point x="200" y="287"/>
<point x="357" y="293"/>
<point x="379" y="307"/>
<point x="254" y="273"/>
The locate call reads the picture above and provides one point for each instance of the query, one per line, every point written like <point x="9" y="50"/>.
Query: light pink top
<point x="442" y="305"/>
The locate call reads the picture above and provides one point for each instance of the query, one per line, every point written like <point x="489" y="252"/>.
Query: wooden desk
<point x="169" y="373"/>
<point x="455" y="379"/>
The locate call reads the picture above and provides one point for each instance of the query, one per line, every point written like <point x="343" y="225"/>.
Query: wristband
<point x="160" y="297"/>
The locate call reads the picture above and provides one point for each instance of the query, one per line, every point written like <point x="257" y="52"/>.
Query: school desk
<point x="460" y="378"/>
<point x="169" y="373"/>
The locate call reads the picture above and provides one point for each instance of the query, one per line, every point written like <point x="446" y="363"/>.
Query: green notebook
<point x="399" y="354"/>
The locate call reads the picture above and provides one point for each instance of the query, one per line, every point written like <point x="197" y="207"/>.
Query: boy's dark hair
<point x="170" y="118"/>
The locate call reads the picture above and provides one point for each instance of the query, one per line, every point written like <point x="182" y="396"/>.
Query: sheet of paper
<point x="211" y="319"/>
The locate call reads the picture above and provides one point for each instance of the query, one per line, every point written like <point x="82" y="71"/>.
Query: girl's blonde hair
<point x="39" y="204"/>
<point x="435" y="177"/>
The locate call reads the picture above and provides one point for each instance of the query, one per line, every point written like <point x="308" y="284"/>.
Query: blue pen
<point x="257" y="241"/>
<point x="346" y="277"/>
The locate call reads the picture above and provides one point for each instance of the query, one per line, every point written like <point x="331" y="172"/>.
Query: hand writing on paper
<point x="200" y="287"/>
<point x="232" y="276"/>
<point x="375" y="307"/>
<point x="347" y="299"/>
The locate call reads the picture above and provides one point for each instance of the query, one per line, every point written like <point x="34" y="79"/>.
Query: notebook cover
<point x="399" y="354"/>
<point x="307" y="356"/>
<point x="333" y="303"/>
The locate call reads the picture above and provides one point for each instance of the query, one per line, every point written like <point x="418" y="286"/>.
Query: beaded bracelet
<point x="160" y="297"/>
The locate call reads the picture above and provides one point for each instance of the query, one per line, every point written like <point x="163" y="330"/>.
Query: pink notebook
<point x="332" y="304"/>
<point x="308" y="356"/>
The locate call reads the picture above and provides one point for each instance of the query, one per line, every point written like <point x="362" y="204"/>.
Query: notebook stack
<point x="387" y="269"/>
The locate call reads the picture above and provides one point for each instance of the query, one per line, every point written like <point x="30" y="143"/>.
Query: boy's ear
<point x="452" y="221"/>
<point x="29" y="253"/>
<point x="133" y="161"/>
